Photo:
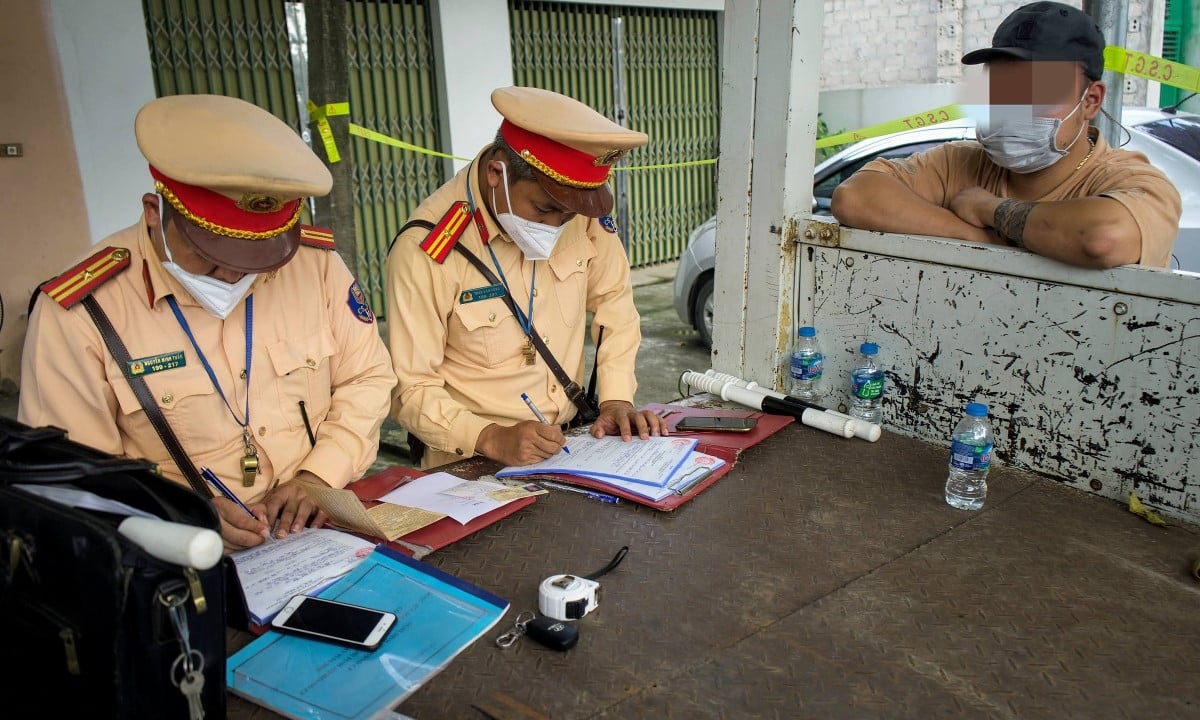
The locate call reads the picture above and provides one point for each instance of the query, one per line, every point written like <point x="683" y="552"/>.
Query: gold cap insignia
<point x="608" y="158"/>
<point x="259" y="203"/>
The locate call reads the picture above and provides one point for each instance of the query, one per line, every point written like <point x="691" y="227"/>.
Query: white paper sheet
<point x="651" y="463"/>
<point x="463" y="500"/>
<point x="300" y="564"/>
<point x="72" y="496"/>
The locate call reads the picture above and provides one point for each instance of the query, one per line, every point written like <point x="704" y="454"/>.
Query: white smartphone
<point x="335" y="622"/>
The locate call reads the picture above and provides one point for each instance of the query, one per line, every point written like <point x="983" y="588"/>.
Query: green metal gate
<point x="653" y="70"/>
<point x="243" y="48"/>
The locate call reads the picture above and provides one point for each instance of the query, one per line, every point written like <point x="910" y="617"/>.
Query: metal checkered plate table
<point x="828" y="578"/>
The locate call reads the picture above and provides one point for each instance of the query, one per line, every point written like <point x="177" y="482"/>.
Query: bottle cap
<point x="977" y="409"/>
<point x="808" y="331"/>
<point x="868" y="348"/>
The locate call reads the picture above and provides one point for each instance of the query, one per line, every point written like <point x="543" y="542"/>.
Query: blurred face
<point x="1050" y="89"/>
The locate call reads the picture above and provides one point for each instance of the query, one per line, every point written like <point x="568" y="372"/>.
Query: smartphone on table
<point x="711" y="423"/>
<point x="335" y="622"/>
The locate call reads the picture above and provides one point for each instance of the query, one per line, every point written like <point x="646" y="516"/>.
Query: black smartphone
<point x="336" y="622"/>
<point x="714" y="423"/>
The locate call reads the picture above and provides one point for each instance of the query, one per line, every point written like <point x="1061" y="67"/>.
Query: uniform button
<point x="458" y="451"/>
<point x="535" y="292"/>
<point x="578" y="262"/>
<point x="311" y="362"/>
<point x="546" y="339"/>
<point x="167" y="398"/>
<point x="242" y="375"/>
<point x="491" y="317"/>
<point x="553" y="388"/>
<point x="262" y="430"/>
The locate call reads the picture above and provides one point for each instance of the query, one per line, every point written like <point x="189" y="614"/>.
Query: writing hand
<point x="238" y="530"/>
<point x="525" y="443"/>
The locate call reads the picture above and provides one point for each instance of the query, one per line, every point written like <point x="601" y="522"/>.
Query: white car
<point x="1171" y="141"/>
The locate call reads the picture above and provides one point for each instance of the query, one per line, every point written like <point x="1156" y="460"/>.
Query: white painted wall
<point x="473" y="51"/>
<point x="106" y="77"/>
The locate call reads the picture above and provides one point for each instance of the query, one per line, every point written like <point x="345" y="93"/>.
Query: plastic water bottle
<point x="866" y="386"/>
<point x="806" y="364"/>
<point x="970" y="457"/>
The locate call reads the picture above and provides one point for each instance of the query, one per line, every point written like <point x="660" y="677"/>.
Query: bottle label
<point x="867" y="387"/>
<point x="965" y="456"/>
<point x="810" y="367"/>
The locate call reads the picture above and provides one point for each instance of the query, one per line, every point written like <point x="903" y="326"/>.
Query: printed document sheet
<point x="651" y="462"/>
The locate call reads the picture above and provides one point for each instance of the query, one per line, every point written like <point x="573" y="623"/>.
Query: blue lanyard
<point x="204" y="361"/>
<point x="527" y="323"/>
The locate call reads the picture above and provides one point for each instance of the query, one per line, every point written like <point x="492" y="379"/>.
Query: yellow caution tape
<point x="362" y="132"/>
<point x="1137" y="508"/>
<point x="1167" y="72"/>
<point x="945" y="113"/>
<point x="320" y="115"/>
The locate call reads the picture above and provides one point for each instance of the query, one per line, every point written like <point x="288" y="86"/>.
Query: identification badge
<point x="487" y="292"/>
<point x="156" y="363"/>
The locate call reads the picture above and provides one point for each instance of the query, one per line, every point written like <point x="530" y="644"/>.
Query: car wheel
<point x="702" y="310"/>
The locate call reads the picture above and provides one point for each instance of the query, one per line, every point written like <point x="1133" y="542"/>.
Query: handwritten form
<point x="300" y="564"/>
<point x="384" y="520"/>
<point x="651" y="462"/>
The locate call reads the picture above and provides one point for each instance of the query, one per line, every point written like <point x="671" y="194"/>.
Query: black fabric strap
<point x="142" y="391"/>
<point x="586" y="410"/>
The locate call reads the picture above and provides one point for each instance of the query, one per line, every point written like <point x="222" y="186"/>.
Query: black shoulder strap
<point x="144" y="396"/>
<point x="587" y="411"/>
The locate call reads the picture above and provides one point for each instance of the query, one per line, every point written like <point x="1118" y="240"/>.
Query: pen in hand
<point x="540" y="417"/>
<point x="215" y="481"/>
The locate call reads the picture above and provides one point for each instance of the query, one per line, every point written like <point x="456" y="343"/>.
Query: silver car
<point x="1170" y="140"/>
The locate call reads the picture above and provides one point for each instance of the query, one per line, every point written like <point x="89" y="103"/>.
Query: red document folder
<point x="725" y="445"/>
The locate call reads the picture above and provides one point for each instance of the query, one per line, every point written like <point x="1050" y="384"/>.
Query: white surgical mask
<point x="1016" y="139"/>
<point x="536" y="240"/>
<point x="218" y="297"/>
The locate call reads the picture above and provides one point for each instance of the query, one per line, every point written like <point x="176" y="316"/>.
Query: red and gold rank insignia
<point x="317" y="237"/>
<point x="440" y="240"/>
<point x="79" y="282"/>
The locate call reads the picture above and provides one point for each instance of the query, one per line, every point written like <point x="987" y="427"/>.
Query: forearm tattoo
<point x="1010" y="219"/>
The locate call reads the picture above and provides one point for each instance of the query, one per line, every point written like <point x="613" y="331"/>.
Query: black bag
<point x="83" y="610"/>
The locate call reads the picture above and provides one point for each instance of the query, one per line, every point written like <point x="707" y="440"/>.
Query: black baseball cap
<point x="1046" y="31"/>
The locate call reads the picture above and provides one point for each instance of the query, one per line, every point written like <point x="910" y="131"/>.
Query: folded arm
<point x="877" y="201"/>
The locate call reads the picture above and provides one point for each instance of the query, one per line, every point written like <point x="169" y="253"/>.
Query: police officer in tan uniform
<point x="254" y="339"/>
<point x="533" y="208"/>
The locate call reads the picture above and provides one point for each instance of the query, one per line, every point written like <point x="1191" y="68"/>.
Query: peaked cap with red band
<point x="572" y="146"/>
<point x="236" y="173"/>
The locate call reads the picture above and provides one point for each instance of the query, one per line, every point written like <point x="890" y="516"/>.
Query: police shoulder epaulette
<point x="317" y="237"/>
<point x="441" y="239"/>
<point x="81" y="280"/>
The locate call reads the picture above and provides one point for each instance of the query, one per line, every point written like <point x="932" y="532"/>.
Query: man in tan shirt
<point x="532" y="207"/>
<point x="1040" y="177"/>
<point x="253" y="337"/>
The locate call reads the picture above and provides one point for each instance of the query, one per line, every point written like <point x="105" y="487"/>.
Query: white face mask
<point x="1016" y="139"/>
<point x="536" y="240"/>
<point x="218" y="297"/>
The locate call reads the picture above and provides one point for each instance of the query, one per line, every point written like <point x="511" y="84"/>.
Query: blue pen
<point x="589" y="493"/>
<point x="215" y="481"/>
<point x="540" y="417"/>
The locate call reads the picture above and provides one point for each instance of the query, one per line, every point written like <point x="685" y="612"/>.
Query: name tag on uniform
<point x="156" y="363"/>
<point x="486" y="292"/>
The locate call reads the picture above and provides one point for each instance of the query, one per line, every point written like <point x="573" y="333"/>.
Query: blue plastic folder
<point x="438" y="616"/>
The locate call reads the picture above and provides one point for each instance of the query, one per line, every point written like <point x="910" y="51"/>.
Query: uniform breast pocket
<point x="186" y="398"/>
<point x="483" y="333"/>
<point x="570" y="286"/>
<point x="302" y="372"/>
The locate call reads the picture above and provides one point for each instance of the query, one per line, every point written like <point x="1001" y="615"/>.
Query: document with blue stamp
<point x="438" y="616"/>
